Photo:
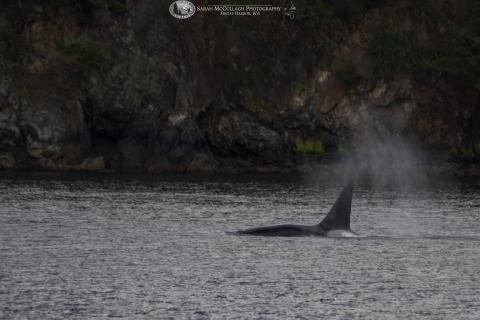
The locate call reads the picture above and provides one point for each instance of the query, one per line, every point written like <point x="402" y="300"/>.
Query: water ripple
<point x="155" y="247"/>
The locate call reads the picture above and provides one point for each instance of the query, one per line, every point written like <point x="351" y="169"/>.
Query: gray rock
<point x="53" y="133"/>
<point x="240" y="135"/>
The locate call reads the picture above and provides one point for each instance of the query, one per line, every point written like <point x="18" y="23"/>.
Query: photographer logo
<point x="182" y="9"/>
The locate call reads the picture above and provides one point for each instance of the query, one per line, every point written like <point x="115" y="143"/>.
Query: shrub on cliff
<point x="394" y="52"/>
<point x="87" y="56"/>
<point x="311" y="147"/>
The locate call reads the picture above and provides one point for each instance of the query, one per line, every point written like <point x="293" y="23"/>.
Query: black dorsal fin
<point x="339" y="215"/>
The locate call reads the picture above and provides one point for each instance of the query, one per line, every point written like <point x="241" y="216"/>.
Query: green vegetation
<point x="254" y="104"/>
<point x="425" y="11"/>
<point x="311" y="147"/>
<point x="53" y="4"/>
<point x="458" y="55"/>
<point x="395" y="52"/>
<point x="322" y="26"/>
<point x="115" y="6"/>
<point x="476" y="150"/>
<point x="454" y="50"/>
<point x="12" y="42"/>
<point x="89" y="56"/>
<point x="465" y="153"/>
<point x="343" y="150"/>
<point x="14" y="48"/>
<point x="349" y="74"/>
<point x="234" y="51"/>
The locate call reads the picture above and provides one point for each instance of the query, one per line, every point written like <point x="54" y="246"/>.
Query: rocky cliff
<point x="123" y="86"/>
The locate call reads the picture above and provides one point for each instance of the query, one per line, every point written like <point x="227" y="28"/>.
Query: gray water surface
<point x="156" y="247"/>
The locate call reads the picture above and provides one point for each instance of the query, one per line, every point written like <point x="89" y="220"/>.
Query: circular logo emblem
<point x="182" y="9"/>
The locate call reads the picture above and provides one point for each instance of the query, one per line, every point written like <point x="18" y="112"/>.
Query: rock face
<point x="238" y="135"/>
<point x="127" y="87"/>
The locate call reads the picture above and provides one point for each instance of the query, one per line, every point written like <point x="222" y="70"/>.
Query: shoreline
<point x="451" y="169"/>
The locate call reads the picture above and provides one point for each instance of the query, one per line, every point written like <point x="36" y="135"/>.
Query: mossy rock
<point x="343" y="151"/>
<point x="310" y="147"/>
<point x="89" y="56"/>
<point x="463" y="153"/>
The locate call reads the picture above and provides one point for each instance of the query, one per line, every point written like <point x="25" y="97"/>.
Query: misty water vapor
<point x="386" y="160"/>
<point x="380" y="160"/>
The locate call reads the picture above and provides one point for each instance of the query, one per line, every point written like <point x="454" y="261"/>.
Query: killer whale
<point x="335" y="224"/>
